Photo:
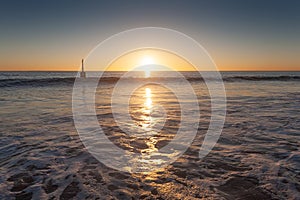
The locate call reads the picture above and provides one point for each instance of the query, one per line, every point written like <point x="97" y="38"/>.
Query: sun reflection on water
<point x="149" y="115"/>
<point x="148" y="102"/>
<point x="147" y="119"/>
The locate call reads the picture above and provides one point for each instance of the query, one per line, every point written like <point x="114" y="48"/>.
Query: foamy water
<point x="256" y="157"/>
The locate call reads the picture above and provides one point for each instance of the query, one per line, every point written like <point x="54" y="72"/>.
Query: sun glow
<point x="147" y="61"/>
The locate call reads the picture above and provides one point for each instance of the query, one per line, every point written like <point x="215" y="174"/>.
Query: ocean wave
<point x="262" y="78"/>
<point x="70" y="80"/>
<point x="35" y="82"/>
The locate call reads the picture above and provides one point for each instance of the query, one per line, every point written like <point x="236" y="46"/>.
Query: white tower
<point x="82" y="73"/>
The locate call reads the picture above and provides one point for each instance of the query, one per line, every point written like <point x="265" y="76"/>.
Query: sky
<point x="239" y="35"/>
<point x="150" y="58"/>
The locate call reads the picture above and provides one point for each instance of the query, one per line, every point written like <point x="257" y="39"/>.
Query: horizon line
<point x="151" y="71"/>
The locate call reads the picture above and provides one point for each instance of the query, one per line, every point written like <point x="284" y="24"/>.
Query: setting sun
<point x="146" y="65"/>
<point x="148" y="60"/>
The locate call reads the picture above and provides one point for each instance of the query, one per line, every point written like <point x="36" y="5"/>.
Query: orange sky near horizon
<point x="128" y="61"/>
<point x="222" y="66"/>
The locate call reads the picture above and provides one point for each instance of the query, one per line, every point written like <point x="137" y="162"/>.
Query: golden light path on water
<point x="146" y="110"/>
<point x="147" y="123"/>
<point x="148" y="103"/>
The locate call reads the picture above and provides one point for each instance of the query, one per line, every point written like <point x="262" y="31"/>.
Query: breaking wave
<point x="70" y="80"/>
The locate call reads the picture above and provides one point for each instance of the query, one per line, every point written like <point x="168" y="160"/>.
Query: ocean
<point x="256" y="157"/>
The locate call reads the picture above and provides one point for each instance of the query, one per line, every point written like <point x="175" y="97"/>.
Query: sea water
<point x="257" y="155"/>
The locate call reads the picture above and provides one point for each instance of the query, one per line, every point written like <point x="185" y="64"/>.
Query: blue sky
<point x="239" y="35"/>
